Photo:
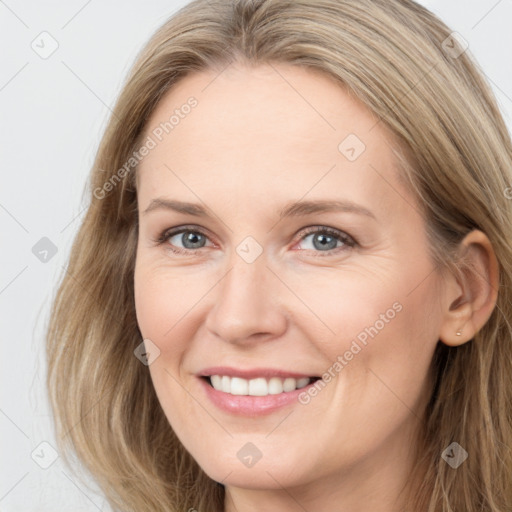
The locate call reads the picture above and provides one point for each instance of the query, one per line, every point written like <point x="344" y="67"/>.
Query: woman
<point x="292" y="287"/>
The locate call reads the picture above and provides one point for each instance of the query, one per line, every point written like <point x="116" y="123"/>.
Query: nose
<point x="248" y="305"/>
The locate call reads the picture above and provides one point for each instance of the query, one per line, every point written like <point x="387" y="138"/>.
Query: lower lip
<point x="248" y="405"/>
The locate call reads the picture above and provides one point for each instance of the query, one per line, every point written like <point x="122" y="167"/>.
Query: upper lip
<point x="251" y="373"/>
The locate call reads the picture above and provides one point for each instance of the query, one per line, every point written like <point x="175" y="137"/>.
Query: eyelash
<point x="348" y="241"/>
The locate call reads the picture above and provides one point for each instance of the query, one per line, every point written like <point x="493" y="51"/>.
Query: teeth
<point x="289" y="384"/>
<point x="301" y="383"/>
<point x="275" y="386"/>
<point x="239" y="386"/>
<point x="216" y="381"/>
<point x="257" y="387"/>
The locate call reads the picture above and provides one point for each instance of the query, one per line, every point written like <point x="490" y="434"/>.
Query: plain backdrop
<point x="53" y="112"/>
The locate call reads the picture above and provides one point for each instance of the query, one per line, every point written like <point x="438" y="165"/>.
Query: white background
<point x="53" y="112"/>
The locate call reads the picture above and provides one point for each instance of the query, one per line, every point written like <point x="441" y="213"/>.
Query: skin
<point x="259" y="138"/>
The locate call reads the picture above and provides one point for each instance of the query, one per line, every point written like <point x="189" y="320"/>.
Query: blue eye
<point x="190" y="238"/>
<point x="328" y="240"/>
<point x="325" y="240"/>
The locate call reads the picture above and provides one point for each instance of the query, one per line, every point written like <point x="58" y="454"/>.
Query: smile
<point x="254" y="392"/>
<point x="259" y="386"/>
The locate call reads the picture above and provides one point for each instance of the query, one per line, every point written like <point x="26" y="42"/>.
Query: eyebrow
<point x="293" y="209"/>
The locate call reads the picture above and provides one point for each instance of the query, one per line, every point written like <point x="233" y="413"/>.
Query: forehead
<point x="277" y="130"/>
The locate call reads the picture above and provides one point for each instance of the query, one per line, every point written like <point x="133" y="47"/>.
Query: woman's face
<point x="299" y="254"/>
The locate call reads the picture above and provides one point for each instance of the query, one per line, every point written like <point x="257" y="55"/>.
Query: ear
<point x="471" y="296"/>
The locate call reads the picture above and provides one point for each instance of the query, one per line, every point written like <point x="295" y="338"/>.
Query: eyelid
<point x="349" y="241"/>
<point x="169" y="232"/>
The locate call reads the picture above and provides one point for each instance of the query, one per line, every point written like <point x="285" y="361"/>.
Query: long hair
<point x="455" y="154"/>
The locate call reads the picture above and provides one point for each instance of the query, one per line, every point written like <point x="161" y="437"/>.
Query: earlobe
<point x="457" y="328"/>
<point x="472" y="294"/>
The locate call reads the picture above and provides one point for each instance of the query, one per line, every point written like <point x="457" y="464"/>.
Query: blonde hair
<point x="456" y="155"/>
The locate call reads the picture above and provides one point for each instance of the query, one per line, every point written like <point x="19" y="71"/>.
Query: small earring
<point x="458" y="333"/>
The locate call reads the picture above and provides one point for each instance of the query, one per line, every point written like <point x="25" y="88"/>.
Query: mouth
<point x="255" y="392"/>
<point x="259" y="386"/>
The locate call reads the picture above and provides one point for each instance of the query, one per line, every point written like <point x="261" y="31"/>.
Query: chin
<point x="272" y="473"/>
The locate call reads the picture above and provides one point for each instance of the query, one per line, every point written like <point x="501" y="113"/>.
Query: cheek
<point x="151" y="307"/>
<point x="163" y="304"/>
<point x="160" y="307"/>
<point x="383" y="335"/>
<point x="169" y="309"/>
<point x="359" y="304"/>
